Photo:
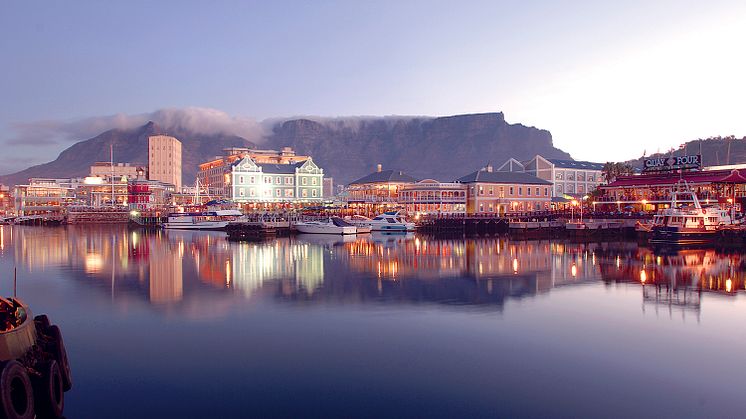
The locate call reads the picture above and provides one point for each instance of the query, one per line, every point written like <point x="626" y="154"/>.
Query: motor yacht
<point x="332" y="225"/>
<point x="392" y="221"/>
<point x="205" y="220"/>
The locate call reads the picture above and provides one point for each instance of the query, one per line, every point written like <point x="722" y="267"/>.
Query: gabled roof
<point x="280" y="169"/>
<point x="386" y="176"/>
<point x="576" y="164"/>
<point x="502" y="177"/>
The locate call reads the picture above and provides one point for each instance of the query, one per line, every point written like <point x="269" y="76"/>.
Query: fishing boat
<point x="204" y="220"/>
<point x="392" y="221"/>
<point x="332" y="225"/>
<point x="687" y="222"/>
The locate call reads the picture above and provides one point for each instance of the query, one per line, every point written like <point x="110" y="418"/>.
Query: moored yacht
<point x="332" y="225"/>
<point x="392" y="221"/>
<point x="204" y="220"/>
<point x="688" y="223"/>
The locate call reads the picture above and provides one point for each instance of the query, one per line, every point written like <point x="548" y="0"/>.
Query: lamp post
<point x="573" y="203"/>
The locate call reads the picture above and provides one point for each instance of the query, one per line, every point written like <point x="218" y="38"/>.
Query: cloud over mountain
<point x="206" y="121"/>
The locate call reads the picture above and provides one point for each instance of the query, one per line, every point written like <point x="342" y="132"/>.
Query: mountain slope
<point x="442" y="148"/>
<point x="347" y="148"/>
<point x="129" y="146"/>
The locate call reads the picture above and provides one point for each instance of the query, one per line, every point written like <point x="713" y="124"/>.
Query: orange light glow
<point x="728" y="285"/>
<point x="574" y="270"/>
<point x="515" y="265"/>
<point x="643" y="276"/>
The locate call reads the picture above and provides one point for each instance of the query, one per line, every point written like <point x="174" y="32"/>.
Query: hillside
<point x="347" y="148"/>
<point x="715" y="151"/>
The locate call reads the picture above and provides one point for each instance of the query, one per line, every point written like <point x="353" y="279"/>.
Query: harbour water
<point x="187" y="324"/>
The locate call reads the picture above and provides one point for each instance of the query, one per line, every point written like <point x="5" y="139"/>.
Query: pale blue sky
<point x="608" y="79"/>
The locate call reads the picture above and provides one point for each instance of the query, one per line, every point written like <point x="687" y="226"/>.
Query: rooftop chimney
<point x="379" y="167"/>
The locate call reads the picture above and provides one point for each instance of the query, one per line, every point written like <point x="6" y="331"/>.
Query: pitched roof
<point x="502" y="177"/>
<point x="576" y="164"/>
<point x="385" y="176"/>
<point x="287" y="169"/>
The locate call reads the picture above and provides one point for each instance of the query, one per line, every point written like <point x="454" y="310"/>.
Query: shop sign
<point x="664" y="164"/>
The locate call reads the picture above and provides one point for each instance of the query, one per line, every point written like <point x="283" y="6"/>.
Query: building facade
<point x="213" y="176"/>
<point x="430" y="197"/>
<point x="249" y="182"/>
<point x="499" y="193"/>
<point x="569" y="177"/>
<point x="164" y="159"/>
<point x="378" y="191"/>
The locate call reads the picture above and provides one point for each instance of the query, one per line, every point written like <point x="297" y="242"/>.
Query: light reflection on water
<point x="529" y="301"/>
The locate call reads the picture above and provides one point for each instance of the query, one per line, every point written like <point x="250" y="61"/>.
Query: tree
<point x="611" y="171"/>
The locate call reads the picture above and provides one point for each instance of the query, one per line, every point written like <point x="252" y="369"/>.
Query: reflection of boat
<point x="333" y="225"/>
<point x="388" y="221"/>
<point x="206" y="220"/>
<point x="688" y="224"/>
<point x="326" y="239"/>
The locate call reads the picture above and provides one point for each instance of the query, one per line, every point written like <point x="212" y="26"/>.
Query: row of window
<point x="518" y="206"/>
<point x="511" y="191"/>
<point x="432" y="194"/>
<point x="279" y="180"/>
<point x="288" y="193"/>
<point x="571" y="176"/>
<point x="571" y="189"/>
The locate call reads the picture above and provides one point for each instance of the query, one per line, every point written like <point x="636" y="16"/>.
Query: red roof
<point x="660" y="179"/>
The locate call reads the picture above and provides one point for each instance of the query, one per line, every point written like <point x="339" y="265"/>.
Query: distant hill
<point x="129" y="146"/>
<point x="715" y="151"/>
<point x="347" y="148"/>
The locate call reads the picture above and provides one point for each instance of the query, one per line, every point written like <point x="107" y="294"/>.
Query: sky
<point x="609" y="80"/>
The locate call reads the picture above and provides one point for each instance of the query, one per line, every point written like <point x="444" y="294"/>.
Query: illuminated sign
<point x="662" y="164"/>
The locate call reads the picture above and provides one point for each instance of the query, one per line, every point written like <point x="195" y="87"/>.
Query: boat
<point x="392" y="221"/>
<point x="33" y="363"/>
<point x="332" y="225"/>
<point x="204" y="220"/>
<point x="690" y="223"/>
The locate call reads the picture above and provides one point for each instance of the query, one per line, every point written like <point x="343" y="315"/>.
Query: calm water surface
<point x="186" y="324"/>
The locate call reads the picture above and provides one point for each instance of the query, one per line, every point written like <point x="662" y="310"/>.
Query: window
<point x="240" y="179"/>
<point x="304" y="193"/>
<point x="492" y="192"/>
<point x="267" y="179"/>
<point x="304" y="181"/>
<point x="288" y="193"/>
<point x="546" y="191"/>
<point x="502" y="191"/>
<point x="241" y="192"/>
<point x="481" y="207"/>
<point x="559" y="176"/>
<point x="511" y="191"/>
<point x="481" y="190"/>
<point x="536" y="191"/>
<point x="267" y="192"/>
<point x="278" y="180"/>
<point x="288" y="180"/>
<point x="313" y="181"/>
<point x="278" y="192"/>
<point x="520" y="190"/>
<point x="528" y="191"/>
<point x="313" y="193"/>
<point x="251" y="192"/>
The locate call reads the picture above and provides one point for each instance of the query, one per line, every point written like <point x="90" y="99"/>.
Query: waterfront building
<point x="569" y="177"/>
<point x="652" y="191"/>
<point x="164" y="159"/>
<point x="498" y="193"/>
<point x="378" y="191"/>
<point x="214" y="175"/>
<point x="269" y="184"/>
<point x="430" y="197"/>
<point x="6" y="200"/>
<point x="44" y="196"/>
<point x="149" y="195"/>
<point x="119" y="170"/>
<point x="328" y="188"/>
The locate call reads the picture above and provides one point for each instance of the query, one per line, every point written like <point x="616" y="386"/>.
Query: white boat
<point x="388" y="221"/>
<point x="689" y="223"/>
<point x="205" y="220"/>
<point x="333" y="225"/>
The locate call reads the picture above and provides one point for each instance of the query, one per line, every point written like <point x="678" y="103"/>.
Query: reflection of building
<point x="165" y="274"/>
<point x="6" y="200"/>
<point x="164" y="159"/>
<point x="432" y="197"/>
<point x="377" y="191"/>
<point x="494" y="192"/>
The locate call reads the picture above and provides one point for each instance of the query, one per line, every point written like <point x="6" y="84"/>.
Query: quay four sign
<point x="660" y="164"/>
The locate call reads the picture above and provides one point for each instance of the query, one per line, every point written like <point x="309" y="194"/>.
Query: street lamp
<point x="573" y="203"/>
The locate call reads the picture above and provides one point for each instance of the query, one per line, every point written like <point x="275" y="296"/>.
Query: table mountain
<point x="347" y="148"/>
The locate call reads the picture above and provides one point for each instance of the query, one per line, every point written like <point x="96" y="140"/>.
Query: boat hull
<point x="325" y="229"/>
<point x="674" y="235"/>
<point x="211" y="225"/>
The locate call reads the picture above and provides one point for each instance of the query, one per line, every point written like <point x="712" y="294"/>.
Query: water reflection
<point x="167" y="267"/>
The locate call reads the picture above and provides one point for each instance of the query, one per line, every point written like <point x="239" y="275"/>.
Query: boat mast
<point x="111" y="160"/>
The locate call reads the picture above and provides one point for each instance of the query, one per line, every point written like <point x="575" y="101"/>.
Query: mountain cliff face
<point x="441" y="148"/>
<point x="347" y="148"/>
<point x="129" y="146"/>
